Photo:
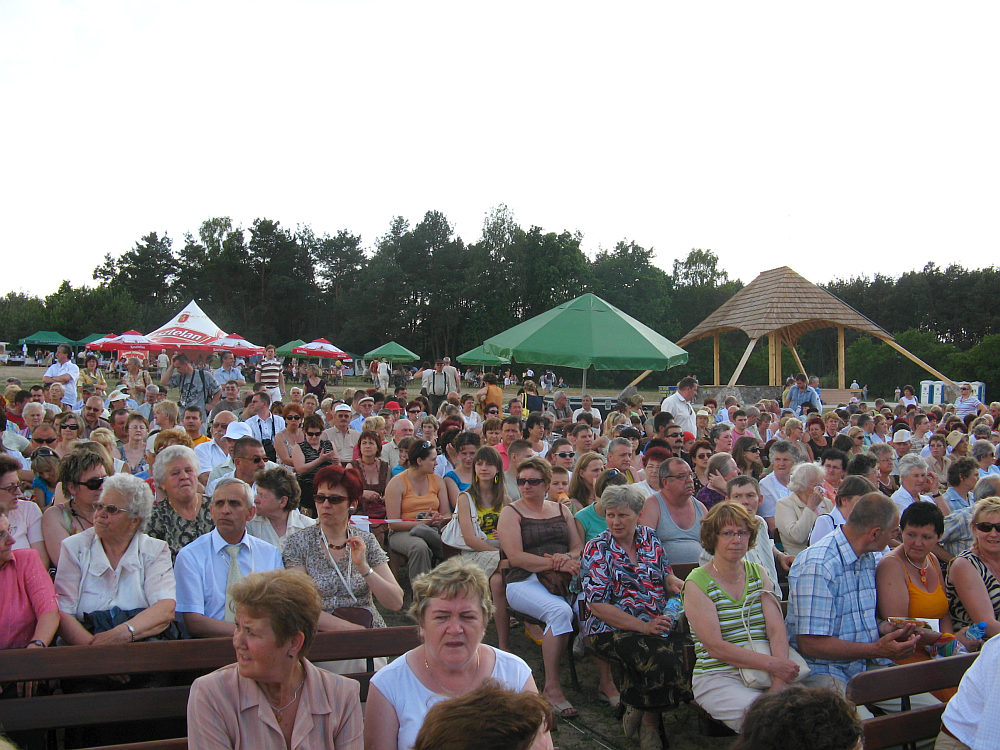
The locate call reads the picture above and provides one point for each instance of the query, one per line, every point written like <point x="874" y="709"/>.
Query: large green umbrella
<point x="285" y="350"/>
<point x="46" y="338"/>
<point x="393" y="352"/>
<point x="478" y="357"/>
<point x="585" y="332"/>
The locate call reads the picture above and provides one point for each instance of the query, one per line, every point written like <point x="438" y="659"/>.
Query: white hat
<point x="117" y="395"/>
<point x="341" y="407"/>
<point x="237" y="430"/>
<point x="901" y="436"/>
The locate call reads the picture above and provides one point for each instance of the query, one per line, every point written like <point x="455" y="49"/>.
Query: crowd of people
<point x="264" y="511"/>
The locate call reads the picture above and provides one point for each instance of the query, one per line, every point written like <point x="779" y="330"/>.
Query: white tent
<point x="190" y="329"/>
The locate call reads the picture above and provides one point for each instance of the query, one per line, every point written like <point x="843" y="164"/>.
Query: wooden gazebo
<point x="781" y="305"/>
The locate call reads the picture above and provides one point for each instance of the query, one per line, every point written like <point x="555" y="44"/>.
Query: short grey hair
<point x="229" y="481"/>
<point x="153" y="388"/>
<point x="911" y="463"/>
<point x="805" y="476"/>
<point x="134" y="491"/>
<point x="784" y="446"/>
<point x="170" y="454"/>
<point x="623" y="495"/>
<point x="557" y="395"/>
<point x="719" y="462"/>
<point x="618" y="442"/>
<point x="986" y="487"/>
<point x="982" y="448"/>
<point x="882" y="450"/>
<point x="32" y="406"/>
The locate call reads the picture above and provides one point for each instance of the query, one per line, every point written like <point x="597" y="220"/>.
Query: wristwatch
<point x="36" y="642"/>
<point x="131" y="631"/>
<point x="370" y="571"/>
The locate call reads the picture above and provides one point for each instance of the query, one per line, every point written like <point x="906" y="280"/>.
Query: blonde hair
<point x="452" y="578"/>
<point x="287" y="598"/>
<point x="983" y="508"/>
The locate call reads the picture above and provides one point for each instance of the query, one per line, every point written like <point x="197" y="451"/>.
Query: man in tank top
<point x="674" y="513"/>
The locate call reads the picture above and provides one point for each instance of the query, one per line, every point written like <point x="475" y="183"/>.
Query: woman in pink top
<point x="273" y="698"/>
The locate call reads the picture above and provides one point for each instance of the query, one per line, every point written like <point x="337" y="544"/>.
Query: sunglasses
<point x="492" y="411"/>
<point x="257" y="460"/>
<point x="69" y="427"/>
<point x="987" y="527"/>
<point x="332" y="499"/>
<point x="565" y="454"/>
<point x="292" y="416"/>
<point x="93" y="484"/>
<point x="314" y="434"/>
<point x="752" y="450"/>
<point x="44" y="441"/>
<point x="533" y="481"/>
<point x="110" y="509"/>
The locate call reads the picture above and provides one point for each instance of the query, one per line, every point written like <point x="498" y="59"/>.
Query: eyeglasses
<point x="426" y="445"/>
<point x="492" y="411"/>
<point x="314" y="434"/>
<point x="93" y="484"/>
<point x="986" y="528"/>
<point x="8" y="534"/>
<point x="332" y="499"/>
<point x="703" y="455"/>
<point x="44" y="441"/>
<point x="752" y="450"/>
<point x="110" y="509"/>
<point x="673" y="435"/>
<point x="257" y="460"/>
<point x="292" y="416"/>
<point x="565" y="454"/>
<point x="737" y="534"/>
<point x="69" y="427"/>
<point x="12" y="489"/>
<point x="413" y="411"/>
<point x="683" y="477"/>
<point x="533" y="481"/>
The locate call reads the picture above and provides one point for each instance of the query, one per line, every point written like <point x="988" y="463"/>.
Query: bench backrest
<point x="201" y="655"/>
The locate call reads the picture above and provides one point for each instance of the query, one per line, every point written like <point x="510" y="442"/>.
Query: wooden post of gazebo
<point x="715" y="358"/>
<point x="841" y="359"/>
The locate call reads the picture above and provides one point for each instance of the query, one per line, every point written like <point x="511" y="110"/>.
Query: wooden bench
<point x="157" y="657"/>
<point x="907" y="726"/>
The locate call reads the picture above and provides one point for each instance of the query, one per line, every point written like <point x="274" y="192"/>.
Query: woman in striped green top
<point x="727" y="602"/>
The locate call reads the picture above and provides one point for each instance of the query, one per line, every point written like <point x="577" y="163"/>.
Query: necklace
<point x="336" y="546"/>
<point x="431" y="674"/>
<point x="79" y="516"/>
<point x="922" y="569"/>
<point x="295" y="697"/>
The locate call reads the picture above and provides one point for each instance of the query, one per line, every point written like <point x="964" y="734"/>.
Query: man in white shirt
<point x="454" y="380"/>
<point x="680" y="404"/>
<point x="341" y="436"/>
<point x="263" y="424"/>
<point x="207" y="566"/>
<point x="434" y="385"/>
<point x="587" y="405"/>
<point x="401" y="428"/>
<point x="216" y="450"/>
<point x="366" y="408"/>
<point x="64" y="372"/>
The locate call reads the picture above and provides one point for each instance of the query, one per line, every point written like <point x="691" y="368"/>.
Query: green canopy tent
<point x="585" y="332"/>
<point x="91" y="338"/>
<point x="285" y="350"/>
<point x="478" y="357"/>
<point x="46" y="338"/>
<point x="392" y="352"/>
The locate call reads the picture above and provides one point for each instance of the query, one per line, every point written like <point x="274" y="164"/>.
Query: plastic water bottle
<point x="976" y="632"/>
<point x="673" y="610"/>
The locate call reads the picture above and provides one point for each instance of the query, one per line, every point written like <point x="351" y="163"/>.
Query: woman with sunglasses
<point x="347" y="564"/>
<point x="23" y="514"/>
<point x="490" y="395"/>
<point x="419" y="498"/>
<point x="746" y="454"/>
<point x="541" y="540"/>
<point x="701" y="452"/>
<point x="309" y="456"/>
<point x="81" y="474"/>
<point x="286" y="440"/>
<point x="973" y="583"/>
<point x="67" y="427"/>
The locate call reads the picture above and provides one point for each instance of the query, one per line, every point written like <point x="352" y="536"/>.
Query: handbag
<point x="357" y="615"/>
<point x="760" y="679"/>
<point x="555" y="581"/>
<point x="452" y="535"/>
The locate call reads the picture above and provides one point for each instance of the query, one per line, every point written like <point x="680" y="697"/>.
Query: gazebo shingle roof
<point x="779" y="300"/>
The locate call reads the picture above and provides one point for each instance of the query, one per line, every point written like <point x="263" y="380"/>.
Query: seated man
<point x="216" y="450"/>
<point x="247" y="457"/>
<point x="831" y="609"/>
<point x="208" y="566"/>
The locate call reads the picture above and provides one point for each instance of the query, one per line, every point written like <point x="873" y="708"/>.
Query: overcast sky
<point x="833" y="137"/>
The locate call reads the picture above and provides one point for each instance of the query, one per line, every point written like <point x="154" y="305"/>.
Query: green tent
<point x="285" y="350"/>
<point x="46" y="338"/>
<point x="585" y="332"/>
<point x="393" y="352"/>
<point x="90" y="338"/>
<point x="478" y="357"/>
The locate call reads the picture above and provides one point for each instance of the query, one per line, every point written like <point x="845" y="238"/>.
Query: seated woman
<point x="848" y="493"/>
<point x="972" y="587"/>
<point x="346" y="563"/>
<point x="452" y="606"/>
<point x="590" y="521"/>
<point x="541" y="540"/>
<point x="182" y="516"/>
<point x="277" y="501"/>
<point x="466" y="445"/>
<point x="375" y="473"/>
<point x="420" y="498"/>
<point x="478" y="511"/>
<point x="586" y="470"/>
<point x="746" y="454"/>
<point x="23" y="514"/>
<point x="291" y="702"/>
<point x="627" y="581"/>
<point x="795" y="515"/>
<point x="105" y="437"/>
<point x="797" y="717"/>
<point x="133" y="450"/>
<point x="81" y="474"/>
<point x="726" y="602"/>
<point x="30" y="612"/>
<point x="287" y="439"/>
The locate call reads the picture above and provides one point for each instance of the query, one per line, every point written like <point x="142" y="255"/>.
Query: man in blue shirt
<point x="229" y="371"/>
<point x="801" y="395"/>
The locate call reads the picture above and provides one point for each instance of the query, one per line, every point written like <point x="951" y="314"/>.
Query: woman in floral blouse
<point x="627" y="581"/>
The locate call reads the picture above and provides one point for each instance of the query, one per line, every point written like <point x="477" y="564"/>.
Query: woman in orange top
<point x="419" y="499"/>
<point x="910" y="582"/>
<point x="490" y="394"/>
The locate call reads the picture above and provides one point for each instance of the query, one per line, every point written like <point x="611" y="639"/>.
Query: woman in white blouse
<point x="277" y="516"/>
<point x="114" y="564"/>
<point x="795" y="515"/>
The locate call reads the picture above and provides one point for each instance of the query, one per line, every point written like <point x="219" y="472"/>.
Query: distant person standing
<point x="162" y="362"/>
<point x="63" y="371"/>
<point x="269" y="373"/>
<point x="966" y="403"/>
<point x="680" y="404"/>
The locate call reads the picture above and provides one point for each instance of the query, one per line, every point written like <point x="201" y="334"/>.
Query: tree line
<point x="428" y="289"/>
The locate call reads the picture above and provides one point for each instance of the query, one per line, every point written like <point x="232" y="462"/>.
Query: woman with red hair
<point x="347" y="564"/>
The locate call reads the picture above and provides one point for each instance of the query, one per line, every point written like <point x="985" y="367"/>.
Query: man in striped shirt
<point x="269" y="373"/>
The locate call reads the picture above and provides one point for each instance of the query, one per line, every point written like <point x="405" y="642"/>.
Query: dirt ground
<point x="597" y="725"/>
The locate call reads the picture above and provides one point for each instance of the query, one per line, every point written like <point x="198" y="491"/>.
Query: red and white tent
<point x="321" y="348"/>
<point x="130" y="341"/>
<point x="237" y="345"/>
<point x="191" y="329"/>
<point x="98" y="344"/>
